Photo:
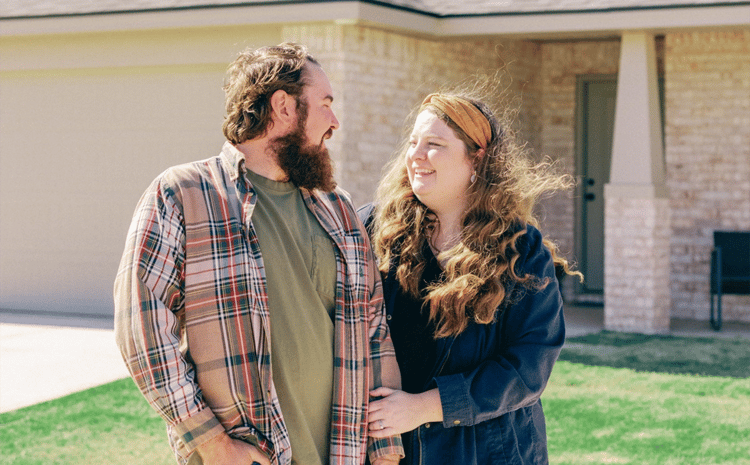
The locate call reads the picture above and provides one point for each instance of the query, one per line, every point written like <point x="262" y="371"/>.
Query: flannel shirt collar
<point x="233" y="161"/>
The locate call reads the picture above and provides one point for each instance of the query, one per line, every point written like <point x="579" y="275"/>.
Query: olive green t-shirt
<point x="300" y="266"/>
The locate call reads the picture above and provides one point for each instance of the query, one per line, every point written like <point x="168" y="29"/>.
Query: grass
<point x="620" y="416"/>
<point x="617" y="398"/>
<point x="110" y="424"/>
<point x="613" y="398"/>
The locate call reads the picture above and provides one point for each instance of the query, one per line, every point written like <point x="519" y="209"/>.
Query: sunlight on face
<point x="438" y="165"/>
<point x="318" y="94"/>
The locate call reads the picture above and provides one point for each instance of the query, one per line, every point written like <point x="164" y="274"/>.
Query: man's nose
<point x="334" y="121"/>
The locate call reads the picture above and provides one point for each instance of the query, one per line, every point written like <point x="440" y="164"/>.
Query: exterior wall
<point x="379" y="77"/>
<point x="521" y="65"/>
<point x="86" y="122"/>
<point x="707" y="153"/>
<point x="562" y="63"/>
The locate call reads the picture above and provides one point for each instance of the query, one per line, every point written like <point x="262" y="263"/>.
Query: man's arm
<point x="148" y="295"/>
<point x="384" y="367"/>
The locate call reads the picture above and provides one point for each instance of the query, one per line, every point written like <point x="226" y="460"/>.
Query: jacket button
<point x="427" y="425"/>
<point x="457" y="422"/>
<point x="388" y="317"/>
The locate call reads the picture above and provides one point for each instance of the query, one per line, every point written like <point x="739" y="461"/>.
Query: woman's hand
<point x="398" y="412"/>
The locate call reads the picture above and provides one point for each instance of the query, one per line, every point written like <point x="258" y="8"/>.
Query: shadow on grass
<point x="661" y="354"/>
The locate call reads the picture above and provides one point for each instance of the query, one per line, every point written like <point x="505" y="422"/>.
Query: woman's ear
<point x="480" y="153"/>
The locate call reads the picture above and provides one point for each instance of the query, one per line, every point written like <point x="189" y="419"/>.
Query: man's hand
<point x="386" y="460"/>
<point x="223" y="450"/>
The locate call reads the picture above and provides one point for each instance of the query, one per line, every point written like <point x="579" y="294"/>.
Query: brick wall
<point x="707" y="133"/>
<point x="380" y="76"/>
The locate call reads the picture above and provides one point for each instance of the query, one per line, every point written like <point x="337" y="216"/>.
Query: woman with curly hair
<point x="473" y="302"/>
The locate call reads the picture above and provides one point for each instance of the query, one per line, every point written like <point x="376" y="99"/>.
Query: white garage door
<point x="77" y="149"/>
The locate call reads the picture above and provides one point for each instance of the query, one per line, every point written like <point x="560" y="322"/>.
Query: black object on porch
<point x="730" y="268"/>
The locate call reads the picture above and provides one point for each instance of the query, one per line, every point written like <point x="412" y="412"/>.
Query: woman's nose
<point x="417" y="152"/>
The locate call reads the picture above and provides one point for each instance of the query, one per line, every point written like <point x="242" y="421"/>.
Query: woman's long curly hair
<point x="481" y="266"/>
<point x="252" y="79"/>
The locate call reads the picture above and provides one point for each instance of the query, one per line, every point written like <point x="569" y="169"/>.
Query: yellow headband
<point x="465" y="115"/>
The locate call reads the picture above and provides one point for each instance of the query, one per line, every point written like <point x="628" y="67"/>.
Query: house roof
<point x="437" y="8"/>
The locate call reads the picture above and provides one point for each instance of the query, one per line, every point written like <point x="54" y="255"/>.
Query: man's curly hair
<point x="251" y="81"/>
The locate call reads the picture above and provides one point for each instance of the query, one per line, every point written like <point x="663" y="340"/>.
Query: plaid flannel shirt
<point x="192" y="319"/>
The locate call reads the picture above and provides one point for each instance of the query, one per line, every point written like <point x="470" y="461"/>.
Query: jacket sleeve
<point x="384" y="367"/>
<point x="532" y="333"/>
<point x="148" y="298"/>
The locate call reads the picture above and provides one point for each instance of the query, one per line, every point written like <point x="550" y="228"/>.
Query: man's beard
<point x="306" y="164"/>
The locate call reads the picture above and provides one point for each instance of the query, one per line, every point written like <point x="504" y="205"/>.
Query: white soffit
<point x="601" y="23"/>
<point x="531" y="25"/>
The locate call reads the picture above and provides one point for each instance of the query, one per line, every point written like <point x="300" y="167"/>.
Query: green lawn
<point x="110" y="424"/>
<point x="652" y="409"/>
<point x="620" y="416"/>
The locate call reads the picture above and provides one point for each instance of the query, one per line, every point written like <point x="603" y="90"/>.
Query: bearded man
<point x="248" y="306"/>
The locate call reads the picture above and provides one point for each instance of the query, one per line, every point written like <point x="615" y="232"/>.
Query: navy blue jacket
<point x="490" y="377"/>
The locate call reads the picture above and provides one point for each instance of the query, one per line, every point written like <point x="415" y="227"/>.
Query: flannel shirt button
<point x="388" y="317"/>
<point x="427" y="425"/>
<point x="457" y="422"/>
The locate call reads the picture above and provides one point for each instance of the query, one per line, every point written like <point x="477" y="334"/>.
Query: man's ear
<point x="284" y="109"/>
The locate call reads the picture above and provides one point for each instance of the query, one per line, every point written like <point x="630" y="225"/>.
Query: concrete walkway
<point x="40" y="362"/>
<point x="581" y="320"/>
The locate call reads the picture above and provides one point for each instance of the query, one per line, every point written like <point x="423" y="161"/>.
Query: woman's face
<point x="438" y="165"/>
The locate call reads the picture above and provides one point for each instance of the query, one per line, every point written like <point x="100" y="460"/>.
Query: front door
<point x="596" y="116"/>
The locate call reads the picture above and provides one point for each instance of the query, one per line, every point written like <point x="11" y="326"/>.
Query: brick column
<point x="637" y="227"/>
<point x="636" y="260"/>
